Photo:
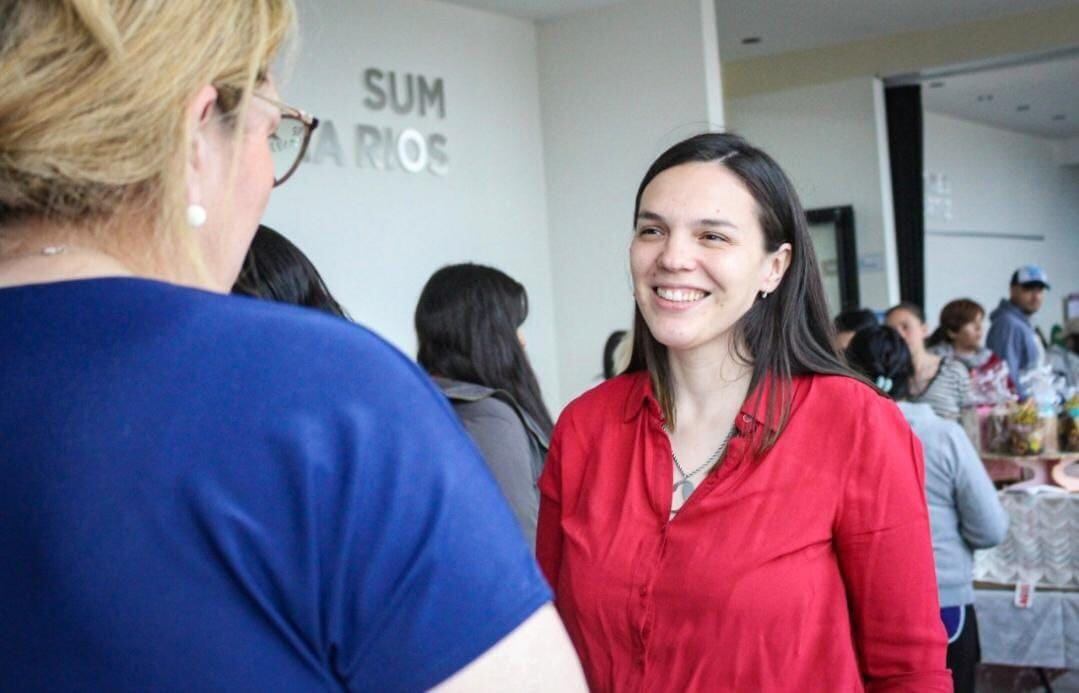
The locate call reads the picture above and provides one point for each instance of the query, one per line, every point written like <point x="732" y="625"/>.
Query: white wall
<point x="999" y="182"/>
<point x="1067" y="152"/>
<point x="826" y="138"/>
<point x="618" y="85"/>
<point x="377" y="235"/>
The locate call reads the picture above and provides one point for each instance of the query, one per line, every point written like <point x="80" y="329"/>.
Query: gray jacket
<point x="964" y="511"/>
<point x="512" y="443"/>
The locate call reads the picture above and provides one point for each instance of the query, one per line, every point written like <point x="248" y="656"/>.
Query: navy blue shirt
<point x="203" y="492"/>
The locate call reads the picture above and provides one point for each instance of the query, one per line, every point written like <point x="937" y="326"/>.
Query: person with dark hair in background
<point x="959" y="336"/>
<point x="964" y="511"/>
<point x="941" y="382"/>
<point x="610" y="352"/>
<point x="850" y="321"/>
<point x="1011" y="334"/>
<point x="468" y="322"/>
<point x="739" y="510"/>
<point x="275" y="269"/>
<point x="1063" y="358"/>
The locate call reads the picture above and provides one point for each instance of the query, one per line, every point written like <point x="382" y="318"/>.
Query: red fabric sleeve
<point x="549" y="528"/>
<point x="885" y="554"/>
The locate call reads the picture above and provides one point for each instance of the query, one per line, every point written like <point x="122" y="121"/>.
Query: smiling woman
<point x="738" y="490"/>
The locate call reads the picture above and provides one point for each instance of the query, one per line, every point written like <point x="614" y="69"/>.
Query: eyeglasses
<point x="289" y="141"/>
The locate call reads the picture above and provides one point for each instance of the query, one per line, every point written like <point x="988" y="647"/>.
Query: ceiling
<point x="1026" y="98"/>
<point x="1049" y="89"/>
<point x="789" y="25"/>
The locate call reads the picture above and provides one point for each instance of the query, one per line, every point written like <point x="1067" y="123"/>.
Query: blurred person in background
<point x="959" y="335"/>
<point x="1064" y="358"/>
<point x="942" y="382"/>
<point x="615" y="354"/>
<point x="1012" y="336"/>
<point x="468" y="321"/>
<point x="274" y="269"/>
<point x="850" y="321"/>
<point x="964" y="511"/>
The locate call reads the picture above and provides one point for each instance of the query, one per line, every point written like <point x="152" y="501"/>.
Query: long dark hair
<point x="881" y="355"/>
<point x="786" y="334"/>
<point x="466" y="323"/>
<point x="276" y="270"/>
<point x="953" y="317"/>
<point x="609" y="347"/>
<point x="854" y="320"/>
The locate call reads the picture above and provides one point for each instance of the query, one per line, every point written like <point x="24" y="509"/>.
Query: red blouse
<point x="809" y="569"/>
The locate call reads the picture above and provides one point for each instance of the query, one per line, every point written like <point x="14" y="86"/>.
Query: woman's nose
<point x="677" y="254"/>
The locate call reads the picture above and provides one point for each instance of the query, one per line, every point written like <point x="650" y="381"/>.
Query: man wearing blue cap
<point x="1011" y="336"/>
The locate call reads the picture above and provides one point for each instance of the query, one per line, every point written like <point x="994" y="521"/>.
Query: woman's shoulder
<point x="306" y="357"/>
<point x="840" y="388"/>
<point x="953" y="367"/>
<point x="608" y="398"/>
<point x="310" y="340"/>
<point x="845" y="401"/>
<point x="942" y="349"/>
<point x="488" y="406"/>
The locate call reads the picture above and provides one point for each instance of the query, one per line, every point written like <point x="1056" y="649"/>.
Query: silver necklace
<point x="685" y="484"/>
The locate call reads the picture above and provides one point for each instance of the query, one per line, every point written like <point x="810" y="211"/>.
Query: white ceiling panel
<point x="1039" y="98"/>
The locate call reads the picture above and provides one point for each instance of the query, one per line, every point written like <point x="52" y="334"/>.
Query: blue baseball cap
<point x="1030" y="274"/>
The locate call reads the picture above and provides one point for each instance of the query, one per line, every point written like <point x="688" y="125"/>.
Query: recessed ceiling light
<point x="936" y="85"/>
<point x="984" y="97"/>
<point x="750" y="40"/>
<point x="1058" y="116"/>
<point x="1023" y="107"/>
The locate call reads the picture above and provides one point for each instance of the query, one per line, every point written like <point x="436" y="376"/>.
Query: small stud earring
<point x="196" y="216"/>
<point x="764" y="295"/>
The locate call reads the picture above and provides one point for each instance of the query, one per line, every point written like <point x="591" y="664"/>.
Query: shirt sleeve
<point x="549" y="530"/>
<point x="886" y="558"/>
<point x="501" y="436"/>
<point x="427" y="568"/>
<point x="983" y="522"/>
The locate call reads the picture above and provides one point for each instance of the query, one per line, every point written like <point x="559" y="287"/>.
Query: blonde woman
<point x="194" y="498"/>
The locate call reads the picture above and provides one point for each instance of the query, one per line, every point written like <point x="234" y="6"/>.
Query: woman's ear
<point x="200" y="110"/>
<point x="778" y="264"/>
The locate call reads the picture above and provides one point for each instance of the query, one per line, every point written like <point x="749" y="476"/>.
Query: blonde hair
<point x="92" y="105"/>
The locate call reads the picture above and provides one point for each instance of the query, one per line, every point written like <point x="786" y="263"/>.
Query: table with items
<point x="1027" y="588"/>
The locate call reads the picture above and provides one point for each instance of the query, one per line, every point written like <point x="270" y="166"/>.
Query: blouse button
<point x="746" y="418"/>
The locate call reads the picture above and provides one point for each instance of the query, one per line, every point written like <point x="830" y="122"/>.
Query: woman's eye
<point x="714" y="237"/>
<point x="648" y="231"/>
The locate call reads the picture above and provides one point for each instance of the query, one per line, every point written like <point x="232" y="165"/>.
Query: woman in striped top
<point x="939" y="381"/>
<point x="959" y="335"/>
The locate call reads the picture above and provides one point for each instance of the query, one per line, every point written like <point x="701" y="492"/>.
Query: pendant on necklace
<point x="687" y="488"/>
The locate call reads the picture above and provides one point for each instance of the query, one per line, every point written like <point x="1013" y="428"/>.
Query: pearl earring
<point x="764" y="295"/>
<point x="196" y="216"/>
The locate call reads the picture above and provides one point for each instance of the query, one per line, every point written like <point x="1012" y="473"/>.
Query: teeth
<point x="681" y="295"/>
